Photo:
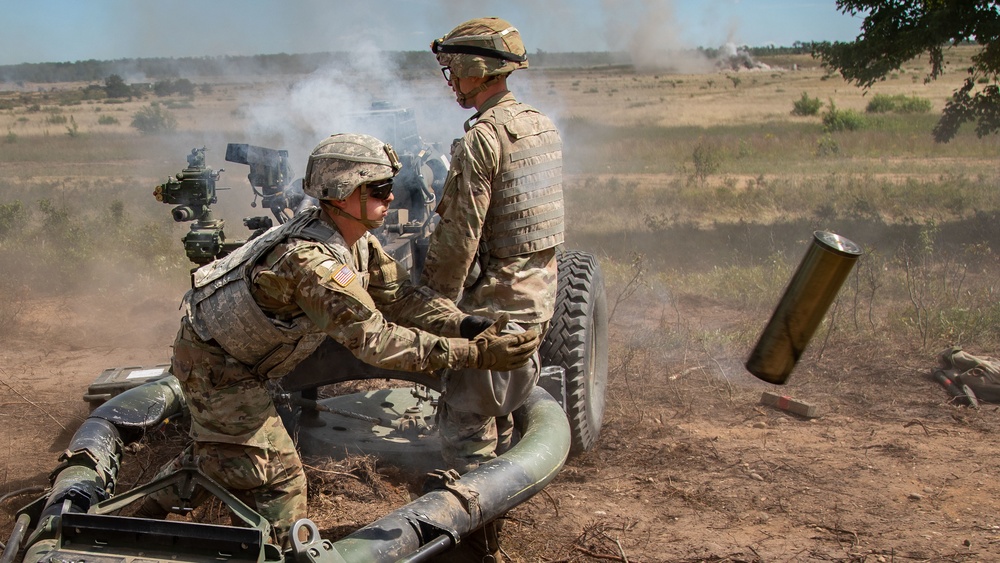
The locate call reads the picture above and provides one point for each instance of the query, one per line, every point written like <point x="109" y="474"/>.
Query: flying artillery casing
<point x="809" y="294"/>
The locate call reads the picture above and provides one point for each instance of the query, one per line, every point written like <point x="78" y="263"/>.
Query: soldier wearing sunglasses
<point x="253" y="315"/>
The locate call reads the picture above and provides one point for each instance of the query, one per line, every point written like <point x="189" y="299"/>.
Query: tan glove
<point x="502" y="352"/>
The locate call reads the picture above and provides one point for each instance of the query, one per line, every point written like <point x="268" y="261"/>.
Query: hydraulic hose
<point x="466" y="503"/>
<point x="89" y="466"/>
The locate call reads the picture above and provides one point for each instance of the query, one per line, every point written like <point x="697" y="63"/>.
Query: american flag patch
<point x="344" y="276"/>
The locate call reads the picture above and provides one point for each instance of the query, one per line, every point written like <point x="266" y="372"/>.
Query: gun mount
<point x="193" y="192"/>
<point x="270" y="176"/>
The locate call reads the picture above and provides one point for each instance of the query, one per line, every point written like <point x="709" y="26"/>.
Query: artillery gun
<point x="77" y="518"/>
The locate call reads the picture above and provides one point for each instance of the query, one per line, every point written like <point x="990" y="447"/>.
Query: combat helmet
<point x="481" y="47"/>
<point x="340" y="163"/>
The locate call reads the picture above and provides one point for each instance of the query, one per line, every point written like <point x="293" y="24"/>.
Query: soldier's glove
<point x="473" y="325"/>
<point x="502" y="352"/>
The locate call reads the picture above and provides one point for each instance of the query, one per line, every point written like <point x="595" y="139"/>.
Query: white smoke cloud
<point x="649" y="31"/>
<point x="335" y="98"/>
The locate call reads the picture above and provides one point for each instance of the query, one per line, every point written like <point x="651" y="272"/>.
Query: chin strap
<point x="364" y="220"/>
<point x="466" y="97"/>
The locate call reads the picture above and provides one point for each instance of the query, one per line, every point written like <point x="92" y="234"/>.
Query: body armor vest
<point x="526" y="206"/>
<point x="221" y="308"/>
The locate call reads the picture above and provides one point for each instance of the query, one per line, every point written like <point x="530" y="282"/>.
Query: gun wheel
<point x="577" y="340"/>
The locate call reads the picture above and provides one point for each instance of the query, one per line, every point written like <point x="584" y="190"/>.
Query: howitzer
<point x="75" y="520"/>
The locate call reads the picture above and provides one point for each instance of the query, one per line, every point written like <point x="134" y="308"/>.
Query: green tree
<point x="115" y="87"/>
<point x="184" y="87"/>
<point x="895" y="31"/>
<point x="163" y="88"/>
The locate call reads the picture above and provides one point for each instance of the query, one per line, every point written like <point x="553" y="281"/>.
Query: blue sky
<point x="70" y="30"/>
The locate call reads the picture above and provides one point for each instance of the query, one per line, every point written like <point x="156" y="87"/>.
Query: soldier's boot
<point x="151" y="509"/>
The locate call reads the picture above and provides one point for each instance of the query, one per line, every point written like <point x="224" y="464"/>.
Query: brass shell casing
<point x="809" y="294"/>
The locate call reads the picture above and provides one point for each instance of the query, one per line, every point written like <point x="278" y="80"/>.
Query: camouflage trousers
<point x="473" y="418"/>
<point x="270" y="480"/>
<point x="469" y="439"/>
<point x="239" y="440"/>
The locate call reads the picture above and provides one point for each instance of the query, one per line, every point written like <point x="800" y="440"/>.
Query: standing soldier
<point x="255" y="314"/>
<point x="494" y="250"/>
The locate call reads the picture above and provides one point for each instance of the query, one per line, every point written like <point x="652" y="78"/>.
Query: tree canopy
<point x="896" y="31"/>
<point x="115" y="87"/>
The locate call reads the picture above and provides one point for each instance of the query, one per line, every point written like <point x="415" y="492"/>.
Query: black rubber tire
<point x="577" y="340"/>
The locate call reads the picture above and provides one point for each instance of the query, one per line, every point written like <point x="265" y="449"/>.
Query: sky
<point x="37" y="31"/>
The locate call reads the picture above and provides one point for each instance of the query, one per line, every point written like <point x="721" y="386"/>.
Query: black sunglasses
<point x="380" y="190"/>
<point x="446" y="72"/>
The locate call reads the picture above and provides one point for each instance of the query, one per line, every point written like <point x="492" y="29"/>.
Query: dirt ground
<point x="689" y="467"/>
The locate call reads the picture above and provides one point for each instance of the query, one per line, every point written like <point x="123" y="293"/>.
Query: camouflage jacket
<point x="357" y="295"/>
<point x="292" y="287"/>
<point x="483" y="283"/>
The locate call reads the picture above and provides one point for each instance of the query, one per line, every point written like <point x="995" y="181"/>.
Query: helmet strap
<point x="467" y="97"/>
<point x="364" y="220"/>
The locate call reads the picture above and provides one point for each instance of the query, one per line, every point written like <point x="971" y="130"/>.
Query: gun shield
<point x="809" y="294"/>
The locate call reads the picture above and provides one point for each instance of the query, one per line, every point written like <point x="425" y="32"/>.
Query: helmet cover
<point x="340" y="163"/>
<point x="481" y="47"/>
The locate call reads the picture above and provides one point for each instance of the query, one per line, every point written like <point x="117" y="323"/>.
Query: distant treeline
<point x="406" y="62"/>
<point x="154" y="69"/>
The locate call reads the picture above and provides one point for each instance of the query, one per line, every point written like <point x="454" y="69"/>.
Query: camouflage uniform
<point x="494" y="251"/>
<point x="307" y="283"/>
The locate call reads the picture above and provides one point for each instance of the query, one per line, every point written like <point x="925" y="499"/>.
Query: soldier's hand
<point x="502" y="352"/>
<point x="474" y="325"/>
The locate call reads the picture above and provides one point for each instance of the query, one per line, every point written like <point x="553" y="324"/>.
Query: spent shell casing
<point x="809" y="294"/>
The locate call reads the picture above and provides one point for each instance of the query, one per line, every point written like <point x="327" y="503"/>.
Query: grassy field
<point x="691" y="176"/>
<point x="688" y="176"/>
<point x="698" y="193"/>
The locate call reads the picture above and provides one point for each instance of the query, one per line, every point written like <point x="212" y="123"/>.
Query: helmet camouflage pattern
<point x="481" y="47"/>
<point x="342" y="162"/>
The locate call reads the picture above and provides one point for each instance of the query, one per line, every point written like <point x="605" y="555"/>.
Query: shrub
<point x="842" y="119"/>
<point x="913" y="104"/>
<point x="11" y="217"/>
<point x="806" y="105"/>
<point x="827" y="146"/>
<point x="882" y="103"/>
<point x="163" y="88"/>
<point x="107" y="120"/>
<point x="115" y="87"/>
<point x="72" y="130"/>
<point x="153" y="119"/>
<point x="178" y="104"/>
<point x="707" y="159"/>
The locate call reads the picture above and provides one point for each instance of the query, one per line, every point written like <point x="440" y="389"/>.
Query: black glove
<point x="472" y="325"/>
